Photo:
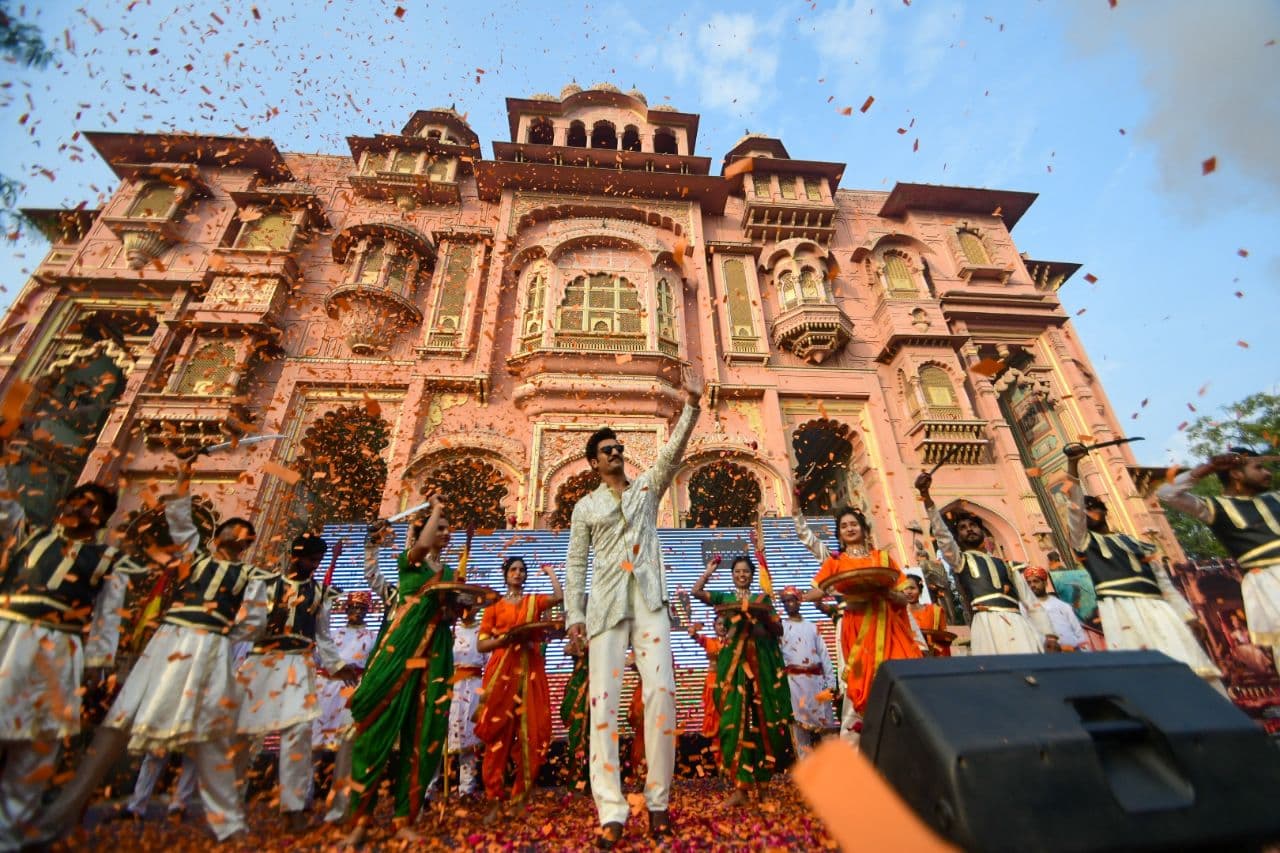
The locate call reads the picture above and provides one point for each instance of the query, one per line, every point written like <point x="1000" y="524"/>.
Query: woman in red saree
<point x="875" y="626"/>
<point x="514" y="718"/>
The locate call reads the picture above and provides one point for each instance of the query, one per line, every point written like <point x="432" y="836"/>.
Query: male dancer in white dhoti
<point x="1139" y="607"/>
<point x="181" y="696"/>
<point x="809" y="674"/>
<point x="57" y="584"/>
<point x="1246" y="520"/>
<point x="994" y="588"/>
<point x="278" y="677"/>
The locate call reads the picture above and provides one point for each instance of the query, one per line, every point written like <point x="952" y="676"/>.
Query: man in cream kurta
<point x="628" y="607"/>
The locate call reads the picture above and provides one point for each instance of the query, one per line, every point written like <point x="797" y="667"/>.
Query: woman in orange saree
<point x="875" y="626"/>
<point x="514" y="718"/>
<point x="710" y="710"/>
<point x="930" y="617"/>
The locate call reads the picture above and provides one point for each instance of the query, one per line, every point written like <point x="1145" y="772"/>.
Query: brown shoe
<point x="659" y="824"/>
<point x="609" y="836"/>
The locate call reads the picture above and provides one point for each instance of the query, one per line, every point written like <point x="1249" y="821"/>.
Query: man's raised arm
<point x="664" y="467"/>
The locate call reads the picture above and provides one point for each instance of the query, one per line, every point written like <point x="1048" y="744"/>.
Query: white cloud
<point x="735" y="64"/>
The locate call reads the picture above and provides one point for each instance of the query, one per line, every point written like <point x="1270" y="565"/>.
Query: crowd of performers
<point x="456" y="675"/>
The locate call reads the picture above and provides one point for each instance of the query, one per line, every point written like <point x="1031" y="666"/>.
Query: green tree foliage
<point x="1253" y="422"/>
<point x="22" y="43"/>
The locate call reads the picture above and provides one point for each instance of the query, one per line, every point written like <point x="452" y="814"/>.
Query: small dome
<point x="543" y="96"/>
<point x="571" y="89"/>
<point x="606" y="87"/>
<point x="639" y="96"/>
<point x="666" y="108"/>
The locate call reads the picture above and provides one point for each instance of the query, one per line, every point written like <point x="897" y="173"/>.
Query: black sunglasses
<point x="612" y="449"/>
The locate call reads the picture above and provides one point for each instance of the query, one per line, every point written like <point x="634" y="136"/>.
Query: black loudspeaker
<point x="1072" y="752"/>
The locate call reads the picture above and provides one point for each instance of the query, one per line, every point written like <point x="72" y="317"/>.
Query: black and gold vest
<point x="988" y="582"/>
<point x="53" y="581"/>
<point x="1118" y="565"/>
<point x="291" y="623"/>
<point x="1249" y="528"/>
<point x="210" y="597"/>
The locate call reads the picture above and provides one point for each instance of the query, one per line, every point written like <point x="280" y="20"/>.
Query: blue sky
<point x="1106" y="112"/>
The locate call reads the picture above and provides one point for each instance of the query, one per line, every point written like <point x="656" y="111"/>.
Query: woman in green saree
<point x="402" y="703"/>
<point x="754" y="699"/>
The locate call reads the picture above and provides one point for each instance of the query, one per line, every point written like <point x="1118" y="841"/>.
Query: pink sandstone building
<point x="412" y="314"/>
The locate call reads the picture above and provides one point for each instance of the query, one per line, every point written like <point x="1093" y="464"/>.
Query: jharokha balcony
<point x="939" y="435"/>
<point x="813" y="331"/>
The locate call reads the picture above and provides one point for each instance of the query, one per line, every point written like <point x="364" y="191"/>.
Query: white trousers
<point x="294" y="770"/>
<point x="184" y="793"/>
<point x="219" y="793"/>
<point x="340" y="791"/>
<point x="649" y="634"/>
<point x="28" y="766"/>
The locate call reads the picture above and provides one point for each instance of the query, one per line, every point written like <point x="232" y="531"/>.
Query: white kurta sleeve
<point x="373" y="575"/>
<point x="664" y="467"/>
<point x="1178" y="495"/>
<point x="944" y="539"/>
<point x="104" y="631"/>
<point x="575" y="569"/>
<point x="810" y="540"/>
<point x="1072" y="631"/>
<point x="326" y="649"/>
<point x="820" y="649"/>
<point x="1077" y="523"/>
<point x="182" y="525"/>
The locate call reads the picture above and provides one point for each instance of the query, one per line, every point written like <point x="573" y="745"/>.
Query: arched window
<point x="154" y="201"/>
<point x="541" y="132"/>
<point x="897" y="274"/>
<point x="453" y="289"/>
<point x="599" y="304"/>
<point x="343" y="472"/>
<point x="974" y="251"/>
<point x="208" y="370"/>
<point x="476" y="492"/>
<point x="723" y="494"/>
<point x="740" y="316"/>
<point x="271" y="231"/>
<point x="371" y="266"/>
<point x="788" y="293"/>
<point x="374" y="161"/>
<point x="666" y="311"/>
<point x="432" y="133"/>
<point x="664" y="141"/>
<point x="630" y="138"/>
<point x="604" y="135"/>
<point x="438" y="170"/>
<point x="811" y="289"/>
<point x="577" y="135"/>
<point x="939" y="394"/>
<point x="534" y="307"/>
<point x="405" y="162"/>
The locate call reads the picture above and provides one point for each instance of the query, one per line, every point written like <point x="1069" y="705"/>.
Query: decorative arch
<point x="567" y="496"/>
<point x="599" y="213"/>
<point x="973" y="248"/>
<point x="665" y="141"/>
<point x="877" y="244"/>
<point x="795" y="248"/>
<point x="898" y="273"/>
<point x="541" y="132"/>
<point x="604" y="134"/>
<point x="823" y="451"/>
<point x="577" y="136"/>
<point x="1004" y="535"/>
<point x="343" y="472"/>
<point x="630" y="138"/>
<point x="723" y="494"/>
<point x="474" y="490"/>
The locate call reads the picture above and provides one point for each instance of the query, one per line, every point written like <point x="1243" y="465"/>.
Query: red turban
<point x="1035" y="572"/>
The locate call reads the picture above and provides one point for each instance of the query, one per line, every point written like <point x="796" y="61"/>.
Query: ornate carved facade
<point x="485" y="314"/>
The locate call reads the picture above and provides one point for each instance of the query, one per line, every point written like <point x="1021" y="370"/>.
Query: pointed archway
<point x="475" y="492"/>
<point x="343" y="472"/>
<point x="723" y="494"/>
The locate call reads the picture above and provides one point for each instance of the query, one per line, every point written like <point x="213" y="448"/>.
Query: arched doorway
<point x="568" y="495"/>
<point x="823" y="449"/>
<point x="723" y="494"/>
<point x="343" y="472"/>
<point x="475" y="492"/>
